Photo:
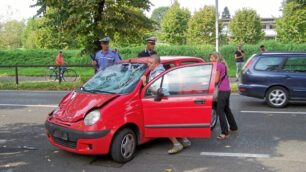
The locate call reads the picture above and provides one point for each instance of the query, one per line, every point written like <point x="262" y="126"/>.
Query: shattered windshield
<point x="117" y="79"/>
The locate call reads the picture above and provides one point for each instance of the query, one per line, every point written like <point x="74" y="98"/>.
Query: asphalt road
<point x="268" y="140"/>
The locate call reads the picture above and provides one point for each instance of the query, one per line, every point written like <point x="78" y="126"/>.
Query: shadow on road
<point x="24" y="147"/>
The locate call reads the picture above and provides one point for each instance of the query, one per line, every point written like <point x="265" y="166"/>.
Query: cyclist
<point x="59" y="61"/>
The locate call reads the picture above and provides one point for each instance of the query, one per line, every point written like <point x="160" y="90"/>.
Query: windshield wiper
<point x="101" y="91"/>
<point x="96" y="91"/>
<point x="84" y="89"/>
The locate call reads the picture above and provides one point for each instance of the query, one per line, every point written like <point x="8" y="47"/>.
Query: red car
<point x="113" y="112"/>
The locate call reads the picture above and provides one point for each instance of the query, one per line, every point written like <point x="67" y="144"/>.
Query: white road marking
<point x="273" y="112"/>
<point x="22" y="105"/>
<point x="239" y="155"/>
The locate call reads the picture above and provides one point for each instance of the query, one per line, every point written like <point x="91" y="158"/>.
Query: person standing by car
<point x="59" y="61"/>
<point x="223" y="100"/>
<point x="149" y="50"/>
<point x="262" y="49"/>
<point x="155" y="69"/>
<point x="239" y="58"/>
<point x="106" y="56"/>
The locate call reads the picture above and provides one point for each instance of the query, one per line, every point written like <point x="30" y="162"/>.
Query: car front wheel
<point x="124" y="146"/>
<point x="277" y="97"/>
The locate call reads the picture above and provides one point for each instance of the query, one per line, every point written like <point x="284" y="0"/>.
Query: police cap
<point x="151" y="40"/>
<point x="105" y="40"/>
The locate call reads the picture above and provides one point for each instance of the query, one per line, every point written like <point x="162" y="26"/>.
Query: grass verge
<point x="234" y="87"/>
<point x="40" y="86"/>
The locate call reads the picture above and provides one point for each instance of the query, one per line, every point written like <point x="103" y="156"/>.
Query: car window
<point x="269" y="63"/>
<point x="190" y="80"/>
<point x="168" y="66"/>
<point x="295" y="64"/>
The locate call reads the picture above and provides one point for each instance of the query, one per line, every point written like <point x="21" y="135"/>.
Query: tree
<point x="29" y="37"/>
<point x="245" y="27"/>
<point x="11" y="34"/>
<point x="174" y="24"/>
<point x="301" y="2"/>
<point x="201" y="26"/>
<point x="93" y="19"/>
<point x="292" y="26"/>
<point x="37" y="35"/>
<point x="158" y="14"/>
<point x="226" y="14"/>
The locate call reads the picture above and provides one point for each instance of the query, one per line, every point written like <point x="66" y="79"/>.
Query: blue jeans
<point x="62" y="69"/>
<point x="239" y="66"/>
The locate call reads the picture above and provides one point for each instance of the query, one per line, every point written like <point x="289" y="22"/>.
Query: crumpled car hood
<point x="74" y="106"/>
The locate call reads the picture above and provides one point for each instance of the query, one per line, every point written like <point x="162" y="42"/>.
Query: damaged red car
<point x="113" y="112"/>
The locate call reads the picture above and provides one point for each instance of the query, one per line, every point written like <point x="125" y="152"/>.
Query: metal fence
<point x="16" y="67"/>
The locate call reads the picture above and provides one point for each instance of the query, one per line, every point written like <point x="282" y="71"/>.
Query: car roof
<point x="165" y="59"/>
<point x="283" y="53"/>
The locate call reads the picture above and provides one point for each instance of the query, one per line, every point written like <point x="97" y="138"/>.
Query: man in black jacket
<point x="149" y="50"/>
<point x="239" y="58"/>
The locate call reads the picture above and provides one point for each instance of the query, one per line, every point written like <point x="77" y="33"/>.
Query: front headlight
<point x="54" y="111"/>
<point x="92" y="117"/>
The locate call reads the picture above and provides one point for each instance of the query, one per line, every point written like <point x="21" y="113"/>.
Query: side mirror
<point x="159" y="95"/>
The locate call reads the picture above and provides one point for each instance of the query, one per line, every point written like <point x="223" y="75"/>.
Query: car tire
<point x="124" y="146"/>
<point x="277" y="97"/>
<point x="214" y="117"/>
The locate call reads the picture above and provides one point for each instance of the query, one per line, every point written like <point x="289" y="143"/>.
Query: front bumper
<point x="81" y="142"/>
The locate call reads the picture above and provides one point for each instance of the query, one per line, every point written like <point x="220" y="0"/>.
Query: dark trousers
<point x="224" y="112"/>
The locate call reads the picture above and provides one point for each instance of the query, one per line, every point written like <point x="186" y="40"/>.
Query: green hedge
<point x="38" y="56"/>
<point x="43" y="56"/>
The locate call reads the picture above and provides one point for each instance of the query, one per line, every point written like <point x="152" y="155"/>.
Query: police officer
<point x="149" y="50"/>
<point x="106" y="56"/>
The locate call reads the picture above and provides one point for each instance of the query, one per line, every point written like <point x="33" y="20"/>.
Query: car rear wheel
<point x="277" y="97"/>
<point x="124" y="146"/>
<point x="214" y="118"/>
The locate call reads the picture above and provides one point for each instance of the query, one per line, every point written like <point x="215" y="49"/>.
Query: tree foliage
<point x="301" y="2"/>
<point x="11" y="34"/>
<point x="174" y="24"/>
<point x="292" y="26"/>
<point x="38" y="35"/>
<point x="226" y="14"/>
<point x="201" y="26"/>
<point x="89" y="20"/>
<point x="245" y="27"/>
<point x="158" y="14"/>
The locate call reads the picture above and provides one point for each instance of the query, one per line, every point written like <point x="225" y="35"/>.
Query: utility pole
<point x="217" y="27"/>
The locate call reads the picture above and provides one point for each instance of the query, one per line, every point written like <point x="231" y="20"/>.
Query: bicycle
<point x="68" y="75"/>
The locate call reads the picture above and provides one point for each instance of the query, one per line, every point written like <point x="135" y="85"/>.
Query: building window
<point x="271" y="26"/>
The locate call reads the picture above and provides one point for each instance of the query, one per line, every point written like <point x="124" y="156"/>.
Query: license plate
<point x="61" y="135"/>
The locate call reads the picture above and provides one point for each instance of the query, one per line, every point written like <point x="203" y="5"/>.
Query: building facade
<point x="268" y="27"/>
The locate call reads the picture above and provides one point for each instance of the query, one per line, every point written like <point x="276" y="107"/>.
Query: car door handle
<point x="198" y="102"/>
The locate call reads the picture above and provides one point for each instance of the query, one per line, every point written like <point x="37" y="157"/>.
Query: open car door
<point x="179" y="102"/>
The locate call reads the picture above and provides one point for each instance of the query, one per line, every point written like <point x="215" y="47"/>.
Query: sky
<point x="20" y="9"/>
<point x="16" y="9"/>
<point x="265" y="8"/>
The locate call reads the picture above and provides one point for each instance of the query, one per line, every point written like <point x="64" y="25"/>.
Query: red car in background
<point x="113" y="112"/>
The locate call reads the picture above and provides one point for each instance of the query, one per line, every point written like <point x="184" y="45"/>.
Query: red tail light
<point x="247" y="65"/>
<point x="242" y="89"/>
